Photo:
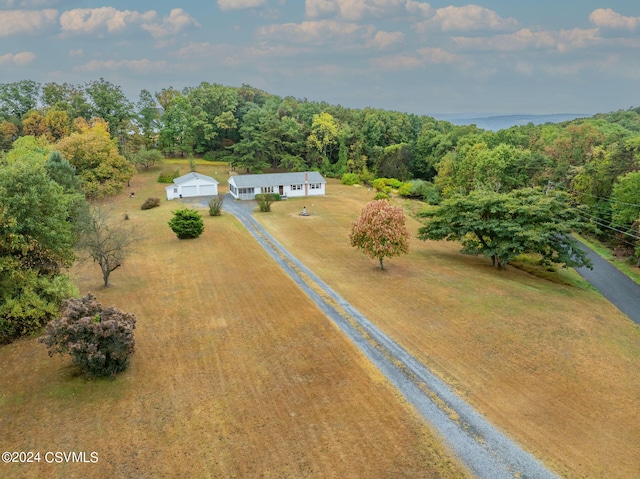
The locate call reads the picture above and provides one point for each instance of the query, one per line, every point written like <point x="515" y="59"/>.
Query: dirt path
<point x="483" y="449"/>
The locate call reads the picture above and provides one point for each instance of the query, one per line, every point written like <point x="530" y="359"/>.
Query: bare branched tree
<point x="108" y="240"/>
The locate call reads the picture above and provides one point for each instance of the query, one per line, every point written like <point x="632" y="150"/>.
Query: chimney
<point x="306" y="184"/>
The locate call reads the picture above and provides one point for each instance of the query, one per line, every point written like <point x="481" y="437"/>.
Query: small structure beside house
<point x="192" y="184"/>
<point x="288" y="185"/>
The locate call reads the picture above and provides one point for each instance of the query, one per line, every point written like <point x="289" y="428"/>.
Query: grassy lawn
<point x="547" y="360"/>
<point x="237" y="374"/>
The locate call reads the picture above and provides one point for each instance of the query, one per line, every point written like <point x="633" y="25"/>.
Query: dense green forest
<point x="102" y="136"/>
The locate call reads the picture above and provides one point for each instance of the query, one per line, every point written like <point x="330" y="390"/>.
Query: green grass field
<point x="238" y="374"/>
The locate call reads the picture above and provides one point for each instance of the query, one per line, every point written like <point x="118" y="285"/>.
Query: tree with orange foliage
<point x="380" y="231"/>
<point x="94" y="154"/>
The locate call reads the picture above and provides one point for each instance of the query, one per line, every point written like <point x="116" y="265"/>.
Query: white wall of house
<point x="289" y="190"/>
<point x="195" y="187"/>
<point x="309" y="189"/>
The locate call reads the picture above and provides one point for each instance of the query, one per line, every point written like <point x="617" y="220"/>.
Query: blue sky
<point x="498" y="56"/>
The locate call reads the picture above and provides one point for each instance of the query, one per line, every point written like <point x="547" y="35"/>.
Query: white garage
<point x="192" y="184"/>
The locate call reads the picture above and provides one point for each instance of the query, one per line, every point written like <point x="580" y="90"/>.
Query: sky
<point x="491" y="56"/>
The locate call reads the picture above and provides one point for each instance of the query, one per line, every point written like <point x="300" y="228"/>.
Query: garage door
<point x="206" y="190"/>
<point x="189" y="191"/>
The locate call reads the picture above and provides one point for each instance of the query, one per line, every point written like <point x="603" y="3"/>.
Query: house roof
<point x="275" y="179"/>
<point x="194" y="176"/>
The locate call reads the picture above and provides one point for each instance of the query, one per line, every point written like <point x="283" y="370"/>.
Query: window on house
<point x="175" y="190"/>
<point x="267" y="189"/>
<point x="315" y="186"/>
<point x="296" y="187"/>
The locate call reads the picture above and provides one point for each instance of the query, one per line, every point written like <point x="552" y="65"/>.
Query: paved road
<point x="487" y="452"/>
<point x="614" y="285"/>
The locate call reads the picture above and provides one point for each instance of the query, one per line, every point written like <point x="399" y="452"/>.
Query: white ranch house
<point x="288" y="185"/>
<point x="192" y="184"/>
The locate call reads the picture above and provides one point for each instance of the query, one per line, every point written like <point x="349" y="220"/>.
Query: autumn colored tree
<point x="8" y="133"/>
<point x="324" y="134"/>
<point x="58" y="124"/>
<point x="95" y="156"/>
<point x="380" y="231"/>
<point x="34" y="124"/>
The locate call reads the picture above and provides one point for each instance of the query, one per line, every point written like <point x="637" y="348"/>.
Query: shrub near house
<point x="186" y="223"/>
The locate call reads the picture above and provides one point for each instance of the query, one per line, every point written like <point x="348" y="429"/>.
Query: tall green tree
<point x="177" y="134"/>
<point x="625" y="200"/>
<point x="36" y="241"/>
<point x="502" y="226"/>
<point x="63" y="173"/>
<point x="148" y="118"/>
<point x="111" y="104"/>
<point x="18" y="98"/>
<point x="256" y="149"/>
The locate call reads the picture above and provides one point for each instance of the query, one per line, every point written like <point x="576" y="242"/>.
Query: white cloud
<point x="605" y="17"/>
<point x="383" y="40"/>
<point x="137" y="66"/>
<point x="239" y="4"/>
<point x="14" y="22"/>
<point x="31" y="4"/>
<point x="177" y="21"/>
<point x="320" y="31"/>
<point x="232" y="55"/>
<point x="352" y="9"/>
<point x="466" y="18"/>
<point x="524" y="68"/>
<point x="419" y="8"/>
<point x="396" y="62"/>
<point x="525" y="39"/>
<point x="437" y="55"/>
<point x="22" y="58"/>
<point x="90" y="20"/>
<point x="76" y="53"/>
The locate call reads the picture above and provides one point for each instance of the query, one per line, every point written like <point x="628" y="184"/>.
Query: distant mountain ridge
<point x="497" y="122"/>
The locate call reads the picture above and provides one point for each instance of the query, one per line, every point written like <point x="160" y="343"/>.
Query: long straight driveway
<point x="486" y="451"/>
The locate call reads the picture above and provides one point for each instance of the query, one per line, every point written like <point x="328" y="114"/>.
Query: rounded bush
<point x="187" y="223"/>
<point x="100" y="341"/>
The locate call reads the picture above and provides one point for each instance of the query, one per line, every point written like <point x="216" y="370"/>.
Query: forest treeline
<point x="98" y="136"/>
<point x="595" y="159"/>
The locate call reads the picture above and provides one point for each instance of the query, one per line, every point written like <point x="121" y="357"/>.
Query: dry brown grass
<point x="236" y="374"/>
<point x="554" y="366"/>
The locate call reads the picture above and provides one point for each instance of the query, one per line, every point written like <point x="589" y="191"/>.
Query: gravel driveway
<point x="482" y="448"/>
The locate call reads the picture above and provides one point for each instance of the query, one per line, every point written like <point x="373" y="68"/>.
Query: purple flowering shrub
<point x="100" y="341"/>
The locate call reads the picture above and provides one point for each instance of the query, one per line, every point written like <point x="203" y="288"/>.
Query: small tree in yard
<point x="215" y="205"/>
<point x="107" y="240"/>
<point x="100" y="341"/>
<point x="186" y="223"/>
<point x="265" y="199"/>
<point x="380" y="231"/>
